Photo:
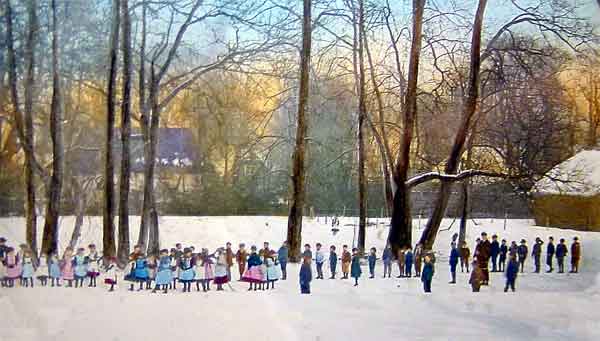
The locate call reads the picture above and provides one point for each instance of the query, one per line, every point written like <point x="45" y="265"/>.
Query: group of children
<point x="510" y="259"/>
<point x="262" y="268"/>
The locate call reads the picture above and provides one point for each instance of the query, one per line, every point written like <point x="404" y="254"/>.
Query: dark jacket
<point x="305" y="274"/>
<point x="408" y="259"/>
<point x="355" y="270"/>
<point x="282" y="254"/>
<point x="537" y="250"/>
<point x="254" y="260"/>
<point x="561" y="251"/>
<point x="483" y="251"/>
<point x="512" y="269"/>
<point x="550" y="249"/>
<point x="372" y="258"/>
<point x="387" y="255"/>
<point x="495" y="248"/>
<point x="332" y="259"/>
<point x="575" y="250"/>
<point x="503" y="251"/>
<point x="454" y="255"/>
<point x="427" y="273"/>
<point x="522" y="252"/>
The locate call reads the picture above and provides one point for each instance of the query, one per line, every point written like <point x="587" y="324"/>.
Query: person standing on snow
<point x="386" y="257"/>
<point x="332" y="261"/>
<point x="550" y="250"/>
<point x="282" y="258"/>
<point x="575" y="255"/>
<point x="427" y="274"/>
<point x="494" y="252"/>
<point x="522" y="253"/>
<point x="503" y="253"/>
<point x="454" y="256"/>
<point x="536" y="253"/>
<point x="512" y="270"/>
<point x="561" y="253"/>
<point x="465" y="254"/>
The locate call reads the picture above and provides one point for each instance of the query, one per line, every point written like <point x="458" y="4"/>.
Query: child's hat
<point x="2" y="240"/>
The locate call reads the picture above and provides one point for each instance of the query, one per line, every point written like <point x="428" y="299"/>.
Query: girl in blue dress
<point x="80" y="266"/>
<point x="28" y="269"/>
<point x="140" y="272"/>
<point x="186" y="266"/>
<point x="164" y="274"/>
<point x="54" y="269"/>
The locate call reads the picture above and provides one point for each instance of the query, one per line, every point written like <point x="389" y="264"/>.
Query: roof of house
<point x="176" y="150"/>
<point x="579" y="175"/>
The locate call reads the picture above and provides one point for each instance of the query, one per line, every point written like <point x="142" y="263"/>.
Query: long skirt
<point x="254" y="275"/>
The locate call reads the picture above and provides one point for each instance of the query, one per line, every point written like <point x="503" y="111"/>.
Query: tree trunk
<point x="153" y="228"/>
<point x="79" y="201"/>
<point x="362" y="112"/>
<point x="464" y="217"/>
<point x="400" y="234"/>
<point x="30" y="214"/>
<point x="109" y="247"/>
<point x="469" y="108"/>
<point x="50" y="240"/>
<point x="144" y="122"/>
<point x="294" y="230"/>
<point x="125" y="133"/>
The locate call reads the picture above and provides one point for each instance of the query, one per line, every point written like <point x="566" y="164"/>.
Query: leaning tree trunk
<point x="50" y="240"/>
<point x="400" y="234"/>
<point x="125" y="133"/>
<point x="294" y="230"/>
<point x="79" y="201"/>
<point x="109" y="247"/>
<point x="362" y="112"/>
<point x="469" y="108"/>
<point x="462" y="232"/>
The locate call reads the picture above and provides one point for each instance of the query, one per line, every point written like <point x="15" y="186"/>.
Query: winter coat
<point x="503" y="252"/>
<point x="561" y="251"/>
<point x="576" y="251"/>
<point x="305" y="274"/>
<point x="229" y="257"/>
<point x="282" y="254"/>
<point x="483" y="251"/>
<point x="265" y="253"/>
<point x="54" y="267"/>
<point x="372" y="259"/>
<point x="13" y="266"/>
<point x="187" y="273"/>
<point x="513" y="250"/>
<point x="550" y="250"/>
<point x="386" y="257"/>
<point x="355" y="270"/>
<point x="494" y="248"/>
<point x="477" y="277"/>
<point x="332" y="259"/>
<point x="27" y="270"/>
<point x="241" y="256"/>
<point x="427" y="273"/>
<point x="273" y="272"/>
<point x="522" y="252"/>
<point x="408" y="259"/>
<point x="254" y="260"/>
<point x="319" y="256"/>
<point x="512" y="270"/>
<point x="164" y="274"/>
<point x="465" y="253"/>
<point x="454" y="256"/>
<point x="307" y="253"/>
<point x="80" y="266"/>
<point x="537" y="250"/>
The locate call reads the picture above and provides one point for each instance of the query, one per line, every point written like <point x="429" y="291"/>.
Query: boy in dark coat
<point x="418" y="255"/>
<point x="454" y="256"/>
<point x="305" y="276"/>
<point x="465" y="253"/>
<point x="575" y="255"/>
<point x="512" y="271"/>
<point x="503" y="254"/>
<point x="550" y="250"/>
<point x="427" y="274"/>
<point x="282" y="258"/>
<point x="387" y="262"/>
<point x="494" y="252"/>
<point x="522" y="253"/>
<point x="536" y="253"/>
<point x="561" y="253"/>
<point x="482" y="253"/>
<point x="372" y="259"/>
<point x="408" y="262"/>
<point x="476" y="278"/>
<point x="332" y="261"/>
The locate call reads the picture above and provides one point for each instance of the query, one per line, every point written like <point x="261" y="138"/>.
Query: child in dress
<point x="186" y="273"/>
<point x="355" y="270"/>
<point x="263" y="270"/>
<point x="43" y="271"/>
<point x="221" y="269"/>
<point x="140" y="270"/>
<point x="164" y="273"/>
<point x="372" y="260"/>
<point x="273" y="273"/>
<point x="13" y="267"/>
<point x="319" y="260"/>
<point x="28" y="269"/>
<point x="207" y="265"/>
<point x="20" y="254"/>
<point x="305" y="276"/>
<point x="110" y="277"/>
<point x="2" y="272"/>
<point x="54" y="269"/>
<point x="81" y="267"/>
<point x="67" y="268"/>
<point x="174" y="268"/>
<point x="151" y="271"/>
<point x="253" y="274"/>
<point x="93" y="262"/>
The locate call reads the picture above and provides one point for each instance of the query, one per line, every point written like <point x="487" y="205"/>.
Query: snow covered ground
<point x="545" y="306"/>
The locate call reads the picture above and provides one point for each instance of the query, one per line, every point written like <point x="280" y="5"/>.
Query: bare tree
<point x="469" y="108"/>
<point x="109" y="245"/>
<point x="294" y="230"/>
<point x="50" y="240"/>
<point x="362" y="113"/>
